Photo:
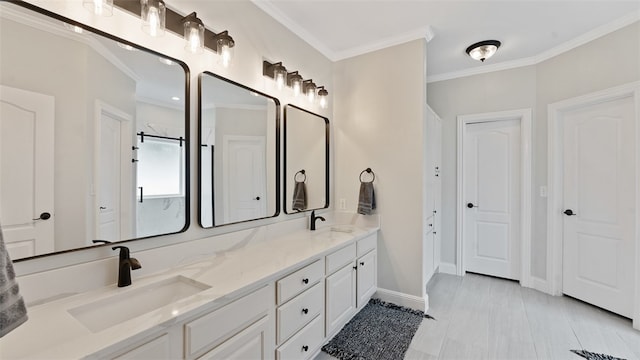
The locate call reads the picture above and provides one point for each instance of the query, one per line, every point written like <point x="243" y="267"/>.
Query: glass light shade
<point x="194" y="36"/>
<point x="153" y="17"/>
<point x="224" y="47"/>
<point x="483" y="50"/>
<point x="295" y="81"/>
<point x="310" y="91"/>
<point x="323" y="98"/>
<point x="280" y="76"/>
<point x="99" y="7"/>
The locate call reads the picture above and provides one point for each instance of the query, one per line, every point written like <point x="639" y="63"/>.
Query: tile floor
<point x="480" y="317"/>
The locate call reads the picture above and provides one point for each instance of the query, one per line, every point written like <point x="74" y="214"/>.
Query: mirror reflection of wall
<point x="71" y="104"/>
<point x="239" y="153"/>
<point x="306" y="159"/>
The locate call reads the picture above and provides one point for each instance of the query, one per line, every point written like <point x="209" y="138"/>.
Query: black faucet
<point x="312" y="225"/>
<point x="125" y="266"/>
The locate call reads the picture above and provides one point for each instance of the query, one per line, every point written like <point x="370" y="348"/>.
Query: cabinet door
<point x="251" y="343"/>
<point x="341" y="298"/>
<point x="367" y="277"/>
<point x="167" y="345"/>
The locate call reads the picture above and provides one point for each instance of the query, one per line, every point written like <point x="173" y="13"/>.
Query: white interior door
<point x="599" y="201"/>
<point x="245" y="177"/>
<point x="26" y="171"/>
<point x="492" y="198"/>
<point x="109" y="179"/>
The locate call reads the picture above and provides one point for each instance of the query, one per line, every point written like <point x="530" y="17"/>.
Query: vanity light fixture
<point x="99" y="7"/>
<point x="224" y="45"/>
<point x="153" y="14"/>
<point x="483" y="50"/>
<point x="323" y="97"/>
<point x="156" y="18"/>
<point x="194" y="33"/>
<point x="294" y="80"/>
<point x="310" y="90"/>
<point x="276" y="71"/>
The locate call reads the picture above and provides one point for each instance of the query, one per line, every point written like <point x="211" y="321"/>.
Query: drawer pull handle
<point x="355" y="268"/>
<point x="305" y="311"/>
<point x="305" y="348"/>
<point x="362" y="263"/>
<point x="305" y="280"/>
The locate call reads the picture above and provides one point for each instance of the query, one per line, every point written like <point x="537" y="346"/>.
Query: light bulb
<point x="227" y="54"/>
<point x="296" y="85"/>
<point x="153" y="17"/>
<point x="311" y="95"/>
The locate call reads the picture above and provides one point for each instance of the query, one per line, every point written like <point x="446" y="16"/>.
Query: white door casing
<point x="491" y="176"/>
<point x="113" y="175"/>
<point x="523" y="118"/>
<point x="604" y="232"/>
<point x="26" y="171"/>
<point x="244" y="177"/>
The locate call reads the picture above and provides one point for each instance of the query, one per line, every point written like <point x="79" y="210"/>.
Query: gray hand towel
<point x="367" y="198"/>
<point x="12" y="309"/>
<point x="299" y="196"/>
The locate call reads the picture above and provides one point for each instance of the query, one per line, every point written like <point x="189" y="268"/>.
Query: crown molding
<point x="553" y="52"/>
<point x="279" y="16"/>
<point x="175" y="105"/>
<point x="425" y="32"/>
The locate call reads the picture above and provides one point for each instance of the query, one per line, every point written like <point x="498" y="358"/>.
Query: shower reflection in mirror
<point x="239" y="153"/>
<point x="72" y="104"/>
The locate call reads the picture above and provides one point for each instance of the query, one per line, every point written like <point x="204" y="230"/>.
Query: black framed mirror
<point x="239" y="164"/>
<point x="306" y="160"/>
<point x="94" y="139"/>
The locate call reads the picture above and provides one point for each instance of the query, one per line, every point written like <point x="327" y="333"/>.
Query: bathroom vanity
<point x="245" y="303"/>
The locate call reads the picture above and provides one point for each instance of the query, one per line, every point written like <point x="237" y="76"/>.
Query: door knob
<point x="569" y="212"/>
<point x="470" y="205"/>
<point x="44" y="216"/>
<point x="257" y="198"/>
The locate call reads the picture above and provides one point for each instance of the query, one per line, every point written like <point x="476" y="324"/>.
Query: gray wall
<point x="380" y="110"/>
<point x="608" y="61"/>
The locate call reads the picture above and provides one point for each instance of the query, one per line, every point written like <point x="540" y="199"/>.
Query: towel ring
<point x="369" y="171"/>
<point x="295" y="177"/>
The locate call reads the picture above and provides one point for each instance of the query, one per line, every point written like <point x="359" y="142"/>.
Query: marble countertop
<point x="52" y="332"/>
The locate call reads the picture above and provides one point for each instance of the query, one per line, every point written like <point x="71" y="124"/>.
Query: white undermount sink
<point x="128" y="304"/>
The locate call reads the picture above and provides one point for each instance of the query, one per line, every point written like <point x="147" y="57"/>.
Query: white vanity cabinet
<point x="165" y="345"/>
<point x="352" y="279"/>
<point x="300" y="295"/>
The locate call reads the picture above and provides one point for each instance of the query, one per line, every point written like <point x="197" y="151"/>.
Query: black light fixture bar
<point x="173" y="22"/>
<point x="268" y="71"/>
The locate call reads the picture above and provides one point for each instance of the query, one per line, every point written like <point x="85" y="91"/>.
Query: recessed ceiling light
<point x="126" y="46"/>
<point x="74" y="28"/>
<point x="175" y="98"/>
<point x="483" y="50"/>
<point x="166" y="61"/>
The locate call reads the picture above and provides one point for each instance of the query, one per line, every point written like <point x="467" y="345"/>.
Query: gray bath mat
<point x="380" y="331"/>
<point x="594" y="356"/>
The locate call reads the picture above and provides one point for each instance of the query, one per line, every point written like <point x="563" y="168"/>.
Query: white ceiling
<point x="529" y="30"/>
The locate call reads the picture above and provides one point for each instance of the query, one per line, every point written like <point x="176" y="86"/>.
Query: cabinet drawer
<point x="215" y="327"/>
<point x="367" y="244"/>
<point x="299" y="281"/>
<point x="340" y="258"/>
<point x="295" y="314"/>
<point x="303" y="344"/>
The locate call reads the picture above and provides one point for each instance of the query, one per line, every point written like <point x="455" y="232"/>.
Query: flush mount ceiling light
<point x="483" y="50"/>
<point x="153" y="14"/>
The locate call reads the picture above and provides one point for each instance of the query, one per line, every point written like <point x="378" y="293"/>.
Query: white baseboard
<point x="402" y="299"/>
<point x="448" y="268"/>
